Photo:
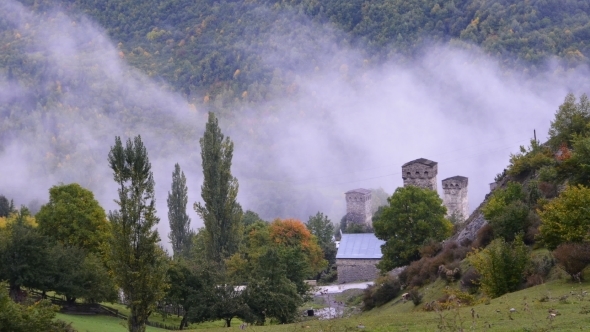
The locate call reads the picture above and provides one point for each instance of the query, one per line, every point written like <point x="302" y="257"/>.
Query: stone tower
<point x="420" y="173"/>
<point x="455" y="199"/>
<point x="358" y="206"/>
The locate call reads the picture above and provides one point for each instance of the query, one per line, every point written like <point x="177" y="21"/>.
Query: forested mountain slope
<point x="212" y="47"/>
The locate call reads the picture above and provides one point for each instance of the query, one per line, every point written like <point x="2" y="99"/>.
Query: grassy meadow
<point x="570" y="302"/>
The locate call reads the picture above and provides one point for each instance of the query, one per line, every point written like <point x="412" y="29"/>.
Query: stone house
<point x="357" y="256"/>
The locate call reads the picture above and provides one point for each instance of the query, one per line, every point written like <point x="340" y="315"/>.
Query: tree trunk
<point x="15" y="293"/>
<point x="228" y="322"/>
<point x="135" y="325"/>
<point x="184" y="322"/>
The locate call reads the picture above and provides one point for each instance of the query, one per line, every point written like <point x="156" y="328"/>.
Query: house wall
<point x="350" y="270"/>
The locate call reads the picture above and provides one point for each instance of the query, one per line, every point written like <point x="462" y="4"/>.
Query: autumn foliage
<point x="293" y="233"/>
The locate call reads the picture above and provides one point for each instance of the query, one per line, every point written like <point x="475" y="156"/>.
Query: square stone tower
<point x="420" y="173"/>
<point x="358" y="206"/>
<point x="455" y="199"/>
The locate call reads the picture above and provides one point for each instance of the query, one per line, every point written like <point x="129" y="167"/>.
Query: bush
<point x="501" y="266"/>
<point x="540" y="265"/>
<point x="426" y="269"/>
<point x="573" y="258"/>
<point x="430" y="249"/>
<point x="384" y="290"/>
<point x="38" y="316"/>
<point x="470" y="280"/>
<point x="531" y="159"/>
<point x="416" y="296"/>
<point x="565" y="219"/>
<point x="484" y="237"/>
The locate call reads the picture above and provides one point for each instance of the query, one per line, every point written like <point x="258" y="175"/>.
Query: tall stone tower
<point x="455" y="199"/>
<point x="358" y="206"/>
<point x="420" y="173"/>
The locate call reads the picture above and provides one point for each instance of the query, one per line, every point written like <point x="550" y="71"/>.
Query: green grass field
<point x="96" y="323"/>
<point x="570" y="300"/>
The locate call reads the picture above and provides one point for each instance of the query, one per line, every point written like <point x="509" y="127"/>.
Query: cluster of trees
<point x="60" y="249"/>
<point x="237" y="265"/>
<point x="543" y="202"/>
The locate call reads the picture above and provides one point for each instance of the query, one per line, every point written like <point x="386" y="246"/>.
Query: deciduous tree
<point x="566" y="218"/>
<point x="220" y="212"/>
<point x="180" y="232"/>
<point x="501" y="266"/>
<point x="74" y="218"/>
<point x="414" y="216"/>
<point x="138" y="263"/>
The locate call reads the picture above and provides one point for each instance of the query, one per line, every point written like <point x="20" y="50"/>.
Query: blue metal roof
<point x="361" y="246"/>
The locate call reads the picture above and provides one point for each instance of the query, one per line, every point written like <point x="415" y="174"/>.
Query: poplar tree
<point x="221" y="213"/>
<point x="180" y="232"/>
<point x="137" y="262"/>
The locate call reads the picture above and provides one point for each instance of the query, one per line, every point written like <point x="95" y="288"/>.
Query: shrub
<point x="430" y="249"/>
<point x="426" y="269"/>
<point x="501" y="266"/>
<point x="531" y="159"/>
<point x="384" y="290"/>
<point x="416" y="296"/>
<point x="541" y="263"/>
<point x="484" y="236"/>
<point x="573" y="258"/>
<point x="450" y="272"/>
<point x="566" y="218"/>
<point x="470" y="280"/>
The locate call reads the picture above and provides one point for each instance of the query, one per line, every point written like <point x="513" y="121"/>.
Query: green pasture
<point x="570" y="301"/>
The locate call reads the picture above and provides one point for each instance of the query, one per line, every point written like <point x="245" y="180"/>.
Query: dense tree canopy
<point x="566" y="218"/>
<point x="414" y="216"/>
<point x="74" y="218"/>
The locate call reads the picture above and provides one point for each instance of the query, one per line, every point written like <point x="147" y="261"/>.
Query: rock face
<point x="474" y="224"/>
<point x="455" y="197"/>
<point x="420" y="173"/>
<point x="358" y="206"/>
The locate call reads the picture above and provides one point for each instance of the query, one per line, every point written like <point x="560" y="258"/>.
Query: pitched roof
<point x="361" y="246"/>
<point x="422" y="161"/>
<point x="360" y="190"/>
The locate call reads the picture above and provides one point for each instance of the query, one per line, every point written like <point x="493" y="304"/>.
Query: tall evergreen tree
<point x="136" y="259"/>
<point x="180" y="232"/>
<point x="221" y="213"/>
<point x="6" y="206"/>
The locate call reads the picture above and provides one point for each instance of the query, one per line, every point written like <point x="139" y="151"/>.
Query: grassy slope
<point x="531" y="314"/>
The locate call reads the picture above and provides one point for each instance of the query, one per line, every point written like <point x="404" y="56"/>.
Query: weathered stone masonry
<point x="350" y="270"/>
<point x="358" y="206"/>
<point x="455" y="199"/>
<point x="420" y="173"/>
